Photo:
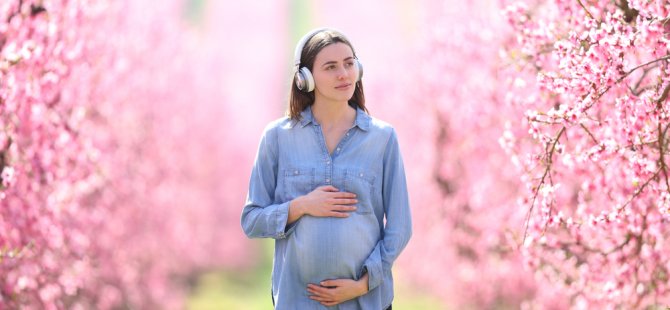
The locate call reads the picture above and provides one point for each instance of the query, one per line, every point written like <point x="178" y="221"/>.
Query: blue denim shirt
<point x="293" y="160"/>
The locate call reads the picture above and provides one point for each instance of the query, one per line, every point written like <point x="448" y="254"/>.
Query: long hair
<point x="299" y="100"/>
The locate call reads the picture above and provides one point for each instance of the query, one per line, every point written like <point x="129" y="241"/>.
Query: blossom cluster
<point x="593" y="145"/>
<point x="550" y="137"/>
<point x="109" y="169"/>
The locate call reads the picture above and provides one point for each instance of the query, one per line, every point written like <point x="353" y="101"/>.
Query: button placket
<point x="328" y="160"/>
<point x="329" y="170"/>
<point x="344" y="140"/>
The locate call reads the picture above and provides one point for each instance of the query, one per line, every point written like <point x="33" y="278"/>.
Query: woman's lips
<point x="343" y="86"/>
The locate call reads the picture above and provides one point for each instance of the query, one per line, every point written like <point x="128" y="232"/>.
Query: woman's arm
<point x="260" y="217"/>
<point x="398" y="227"/>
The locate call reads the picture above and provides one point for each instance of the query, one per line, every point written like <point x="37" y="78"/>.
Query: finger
<point x="330" y="283"/>
<point x="318" y="289"/>
<point x="321" y="299"/>
<point x="345" y="201"/>
<point x="329" y="188"/>
<point x="320" y="294"/>
<point x="338" y="214"/>
<point x="341" y="208"/>
<point x="344" y="195"/>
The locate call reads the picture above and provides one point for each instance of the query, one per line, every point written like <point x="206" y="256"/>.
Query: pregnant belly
<point x="332" y="248"/>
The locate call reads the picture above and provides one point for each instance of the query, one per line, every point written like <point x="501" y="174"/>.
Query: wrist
<point x="297" y="206"/>
<point x="363" y="283"/>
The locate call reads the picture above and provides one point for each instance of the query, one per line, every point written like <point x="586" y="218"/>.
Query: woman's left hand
<point x="333" y="292"/>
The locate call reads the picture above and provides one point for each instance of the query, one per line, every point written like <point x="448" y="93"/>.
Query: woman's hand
<point x="333" y="292"/>
<point x="324" y="201"/>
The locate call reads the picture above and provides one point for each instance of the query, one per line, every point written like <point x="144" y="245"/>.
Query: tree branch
<point x="636" y="89"/>
<point x="585" y="9"/>
<point x="546" y="172"/>
<point x="639" y="190"/>
<point x="590" y="134"/>
<point x="442" y="138"/>
<point x="666" y="57"/>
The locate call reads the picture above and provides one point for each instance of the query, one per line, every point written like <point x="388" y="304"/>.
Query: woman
<point x="324" y="180"/>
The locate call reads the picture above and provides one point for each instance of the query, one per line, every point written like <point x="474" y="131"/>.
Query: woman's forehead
<point x="334" y="52"/>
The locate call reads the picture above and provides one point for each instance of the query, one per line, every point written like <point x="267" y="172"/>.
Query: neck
<point x="333" y="113"/>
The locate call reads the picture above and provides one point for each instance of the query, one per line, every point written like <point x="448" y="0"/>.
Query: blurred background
<point x="128" y="130"/>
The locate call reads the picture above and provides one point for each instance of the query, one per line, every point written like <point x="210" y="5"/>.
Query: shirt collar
<point x="362" y="118"/>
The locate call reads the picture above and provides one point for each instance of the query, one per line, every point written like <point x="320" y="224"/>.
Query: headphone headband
<point x="302" y="42"/>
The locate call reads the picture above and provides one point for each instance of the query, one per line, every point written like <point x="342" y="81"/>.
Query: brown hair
<point x="299" y="100"/>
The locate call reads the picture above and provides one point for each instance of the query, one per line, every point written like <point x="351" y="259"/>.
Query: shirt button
<point x="327" y="180"/>
<point x="338" y="149"/>
<point x="360" y="175"/>
<point x="328" y="162"/>
<point x="296" y="172"/>
<point x="347" y="133"/>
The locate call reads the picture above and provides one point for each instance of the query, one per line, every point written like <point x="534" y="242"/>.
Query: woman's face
<point x="335" y="73"/>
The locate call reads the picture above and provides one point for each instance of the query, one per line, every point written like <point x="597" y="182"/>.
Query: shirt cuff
<point x="283" y="229"/>
<point x="373" y="266"/>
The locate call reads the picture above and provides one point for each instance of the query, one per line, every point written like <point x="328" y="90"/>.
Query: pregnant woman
<point x="328" y="184"/>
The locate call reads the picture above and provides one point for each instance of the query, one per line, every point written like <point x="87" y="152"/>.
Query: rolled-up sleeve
<point x="398" y="227"/>
<point x="260" y="217"/>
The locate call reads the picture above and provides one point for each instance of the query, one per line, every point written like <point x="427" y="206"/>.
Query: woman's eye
<point x="349" y="64"/>
<point x="330" y="67"/>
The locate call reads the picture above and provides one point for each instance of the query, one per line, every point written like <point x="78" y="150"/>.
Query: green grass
<point x="250" y="290"/>
<point x="225" y="290"/>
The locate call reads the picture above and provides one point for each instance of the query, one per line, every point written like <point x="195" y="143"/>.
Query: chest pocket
<point x="298" y="182"/>
<point x="360" y="183"/>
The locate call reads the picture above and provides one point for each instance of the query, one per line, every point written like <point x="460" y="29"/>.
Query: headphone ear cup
<point x="360" y="69"/>
<point x="299" y="81"/>
<point x="304" y="80"/>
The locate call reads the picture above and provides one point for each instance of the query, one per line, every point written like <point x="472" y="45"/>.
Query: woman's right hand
<point x="324" y="201"/>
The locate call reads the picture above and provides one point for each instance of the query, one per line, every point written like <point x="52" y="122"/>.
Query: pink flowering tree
<point x="115" y="171"/>
<point x="593" y="80"/>
<point x="549" y="184"/>
<point x="465" y="187"/>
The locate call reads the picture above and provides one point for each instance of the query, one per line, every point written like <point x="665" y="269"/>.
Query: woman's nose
<point x="341" y="73"/>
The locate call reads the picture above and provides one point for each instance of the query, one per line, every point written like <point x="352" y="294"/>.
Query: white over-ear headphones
<point x="303" y="77"/>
